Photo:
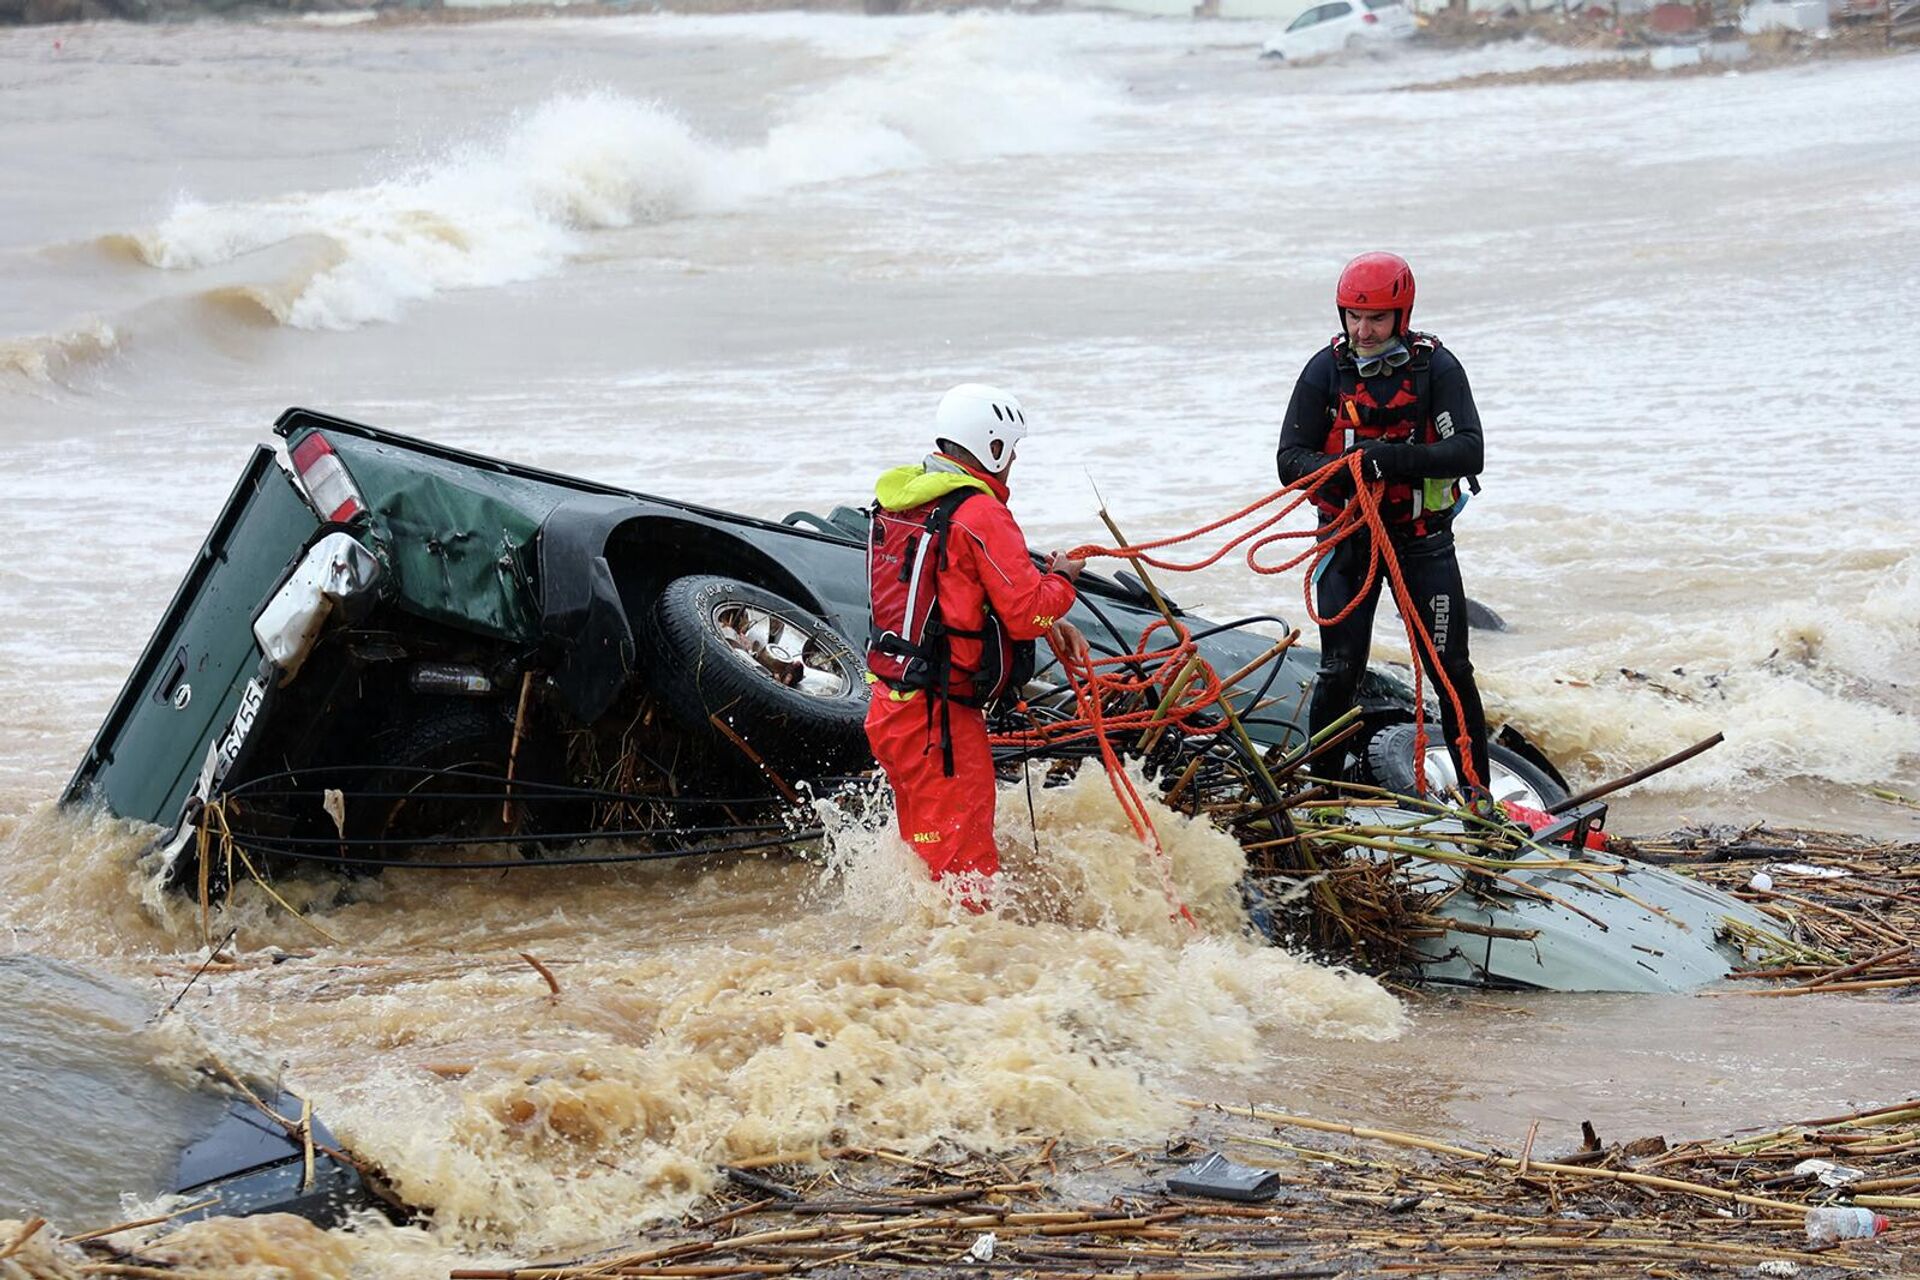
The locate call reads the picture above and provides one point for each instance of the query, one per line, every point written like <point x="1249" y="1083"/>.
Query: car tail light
<point x="328" y="485"/>
<point x="1369" y="18"/>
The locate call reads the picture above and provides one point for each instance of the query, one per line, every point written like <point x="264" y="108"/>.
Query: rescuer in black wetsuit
<point x="1403" y="402"/>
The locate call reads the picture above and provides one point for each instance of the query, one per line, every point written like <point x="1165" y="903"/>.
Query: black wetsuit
<point x="1424" y="548"/>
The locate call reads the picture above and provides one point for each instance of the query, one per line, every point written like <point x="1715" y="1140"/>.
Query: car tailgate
<point x="195" y="668"/>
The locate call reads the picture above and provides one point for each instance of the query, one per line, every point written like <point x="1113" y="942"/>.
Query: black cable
<point x="420" y="842"/>
<point x="1107" y="622"/>
<point x="507" y="864"/>
<point x="1273" y="668"/>
<point x="1237" y="623"/>
<point x="533" y="788"/>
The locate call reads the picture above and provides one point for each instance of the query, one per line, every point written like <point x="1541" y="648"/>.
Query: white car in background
<point x="1341" y="26"/>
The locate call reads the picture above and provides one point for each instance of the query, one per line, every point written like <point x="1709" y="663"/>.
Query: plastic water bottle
<point x="1830" y="1223"/>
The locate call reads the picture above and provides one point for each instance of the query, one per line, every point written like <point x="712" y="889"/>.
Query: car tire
<point x="1389" y="764"/>
<point x="779" y="676"/>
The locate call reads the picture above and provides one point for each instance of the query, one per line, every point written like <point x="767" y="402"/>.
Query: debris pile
<point x="1343" y="1200"/>
<point x="1848" y="906"/>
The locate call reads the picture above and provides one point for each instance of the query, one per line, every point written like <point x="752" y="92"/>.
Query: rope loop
<point x="1172" y="686"/>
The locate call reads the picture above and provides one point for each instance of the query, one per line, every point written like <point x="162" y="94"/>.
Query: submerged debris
<point x="1353" y="1201"/>
<point x="1848" y="906"/>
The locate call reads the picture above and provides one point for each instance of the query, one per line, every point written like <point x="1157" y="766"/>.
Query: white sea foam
<point x="517" y="205"/>
<point x="1803" y="688"/>
<point x="486" y="214"/>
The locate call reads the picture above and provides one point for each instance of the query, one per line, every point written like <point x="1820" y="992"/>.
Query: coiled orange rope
<point x="1187" y="685"/>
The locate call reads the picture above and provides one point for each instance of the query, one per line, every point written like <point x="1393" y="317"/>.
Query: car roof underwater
<point x="1603" y="924"/>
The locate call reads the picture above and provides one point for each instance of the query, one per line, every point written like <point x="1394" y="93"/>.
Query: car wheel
<point x="1353" y="43"/>
<point x="1389" y="764"/>
<point x="781" y="678"/>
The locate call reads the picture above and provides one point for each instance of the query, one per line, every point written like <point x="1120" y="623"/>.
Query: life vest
<point x="1356" y="415"/>
<point x="909" y="641"/>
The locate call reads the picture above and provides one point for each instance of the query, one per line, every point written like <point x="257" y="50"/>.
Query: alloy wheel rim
<point x="782" y="650"/>
<point x="1503" y="782"/>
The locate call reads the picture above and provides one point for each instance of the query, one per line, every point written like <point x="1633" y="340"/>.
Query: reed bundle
<point x="1353" y="1201"/>
<point x="1848" y="907"/>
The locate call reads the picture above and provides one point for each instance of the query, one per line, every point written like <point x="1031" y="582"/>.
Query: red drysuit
<point x="948" y="821"/>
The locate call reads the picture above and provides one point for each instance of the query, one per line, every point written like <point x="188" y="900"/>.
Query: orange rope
<point x="1098" y="682"/>
<point x="1362" y="513"/>
<point x="1181" y="703"/>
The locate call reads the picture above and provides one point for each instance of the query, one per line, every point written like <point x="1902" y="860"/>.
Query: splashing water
<point x="760" y="1007"/>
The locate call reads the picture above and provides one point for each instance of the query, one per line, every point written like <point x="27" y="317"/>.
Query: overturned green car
<point x="388" y="647"/>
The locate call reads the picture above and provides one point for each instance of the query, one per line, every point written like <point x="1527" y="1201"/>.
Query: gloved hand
<point x="1383" y="460"/>
<point x="1338" y="487"/>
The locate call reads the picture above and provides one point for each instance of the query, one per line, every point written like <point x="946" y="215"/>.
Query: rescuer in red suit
<point x="955" y="599"/>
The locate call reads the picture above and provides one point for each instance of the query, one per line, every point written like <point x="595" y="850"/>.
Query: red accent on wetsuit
<point x="948" y="821"/>
<point x="1358" y="416"/>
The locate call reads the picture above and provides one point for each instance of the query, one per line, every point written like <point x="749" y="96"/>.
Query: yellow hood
<point x="904" y="488"/>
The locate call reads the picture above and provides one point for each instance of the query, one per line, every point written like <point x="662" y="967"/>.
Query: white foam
<point x="487" y="214"/>
<point x="516" y="206"/>
<point x="969" y="91"/>
<point x="1803" y="688"/>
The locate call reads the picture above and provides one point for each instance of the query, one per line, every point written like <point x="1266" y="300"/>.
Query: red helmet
<point x="1376" y="282"/>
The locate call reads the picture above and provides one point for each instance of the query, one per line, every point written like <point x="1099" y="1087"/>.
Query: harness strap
<point x="1349" y="416"/>
<point x="932" y="651"/>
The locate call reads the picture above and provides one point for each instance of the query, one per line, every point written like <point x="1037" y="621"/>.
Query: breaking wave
<point x="516" y="206"/>
<point x="255" y="303"/>
<point x="54" y="359"/>
<point x="485" y="216"/>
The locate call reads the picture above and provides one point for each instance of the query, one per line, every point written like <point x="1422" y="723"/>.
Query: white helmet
<point x="985" y="421"/>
